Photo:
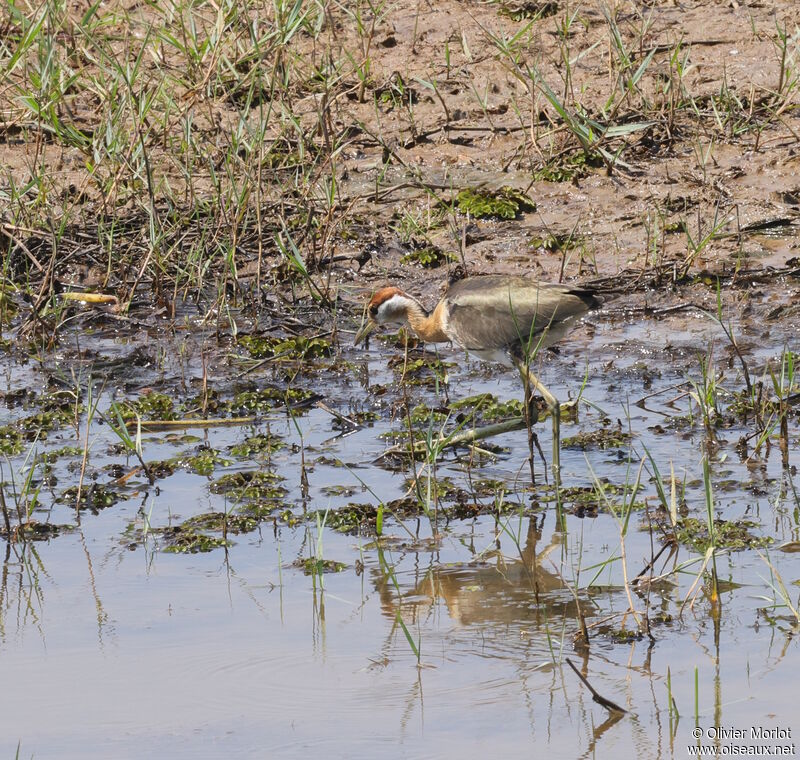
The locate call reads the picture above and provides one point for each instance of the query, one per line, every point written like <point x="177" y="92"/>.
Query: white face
<point x="394" y="309"/>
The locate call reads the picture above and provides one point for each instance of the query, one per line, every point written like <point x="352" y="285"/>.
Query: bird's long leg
<point x="533" y="383"/>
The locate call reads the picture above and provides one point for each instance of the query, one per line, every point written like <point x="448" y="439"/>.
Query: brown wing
<point x="497" y="311"/>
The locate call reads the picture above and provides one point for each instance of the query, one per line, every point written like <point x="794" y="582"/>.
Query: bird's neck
<point x="429" y="327"/>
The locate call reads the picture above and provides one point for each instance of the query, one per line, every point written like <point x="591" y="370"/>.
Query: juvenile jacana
<point x="499" y="318"/>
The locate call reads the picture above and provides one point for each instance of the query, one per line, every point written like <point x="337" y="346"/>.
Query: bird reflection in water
<point x="500" y="589"/>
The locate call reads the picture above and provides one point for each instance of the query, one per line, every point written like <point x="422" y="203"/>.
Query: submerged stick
<point x="601" y="700"/>
<point x="467" y="437"/>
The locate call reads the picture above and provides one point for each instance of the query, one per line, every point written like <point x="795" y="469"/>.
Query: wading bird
<point x="499" y="318"/>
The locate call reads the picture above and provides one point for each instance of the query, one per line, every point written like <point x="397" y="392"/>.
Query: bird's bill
<point x="364" y="331"/>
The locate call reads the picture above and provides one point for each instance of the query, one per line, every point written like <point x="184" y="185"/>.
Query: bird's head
<point x="388" y="305"/>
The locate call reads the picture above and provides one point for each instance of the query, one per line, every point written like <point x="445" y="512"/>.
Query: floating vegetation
<point x="35" y="531"/>
<point x="602" y="438"/>
<point x="93" y="496"/>
<point x="489" y="407"/>
<point x="339" y="490"/>
<point x="256" y="445"/>
<point x="152" y="406"/>
<point x="224" y="522"/>
<point x="352" y="518"/>
<point x="264" y="399"/>
<point x="258" y="485"/>
<point x="52" y="456"/>
<point x="431" y="488"/>
<point x="423" y="415"/>
<point x="314" y="566"/>
<point x="728" y="534"/>
<point x="204" y="461"/>
<point x="12" y="442"/>
<point x="180" y="540"/>
<point x="196" y="534"/>
<point x="505" y="203"/>
<point x="163" y="468"/>
<point x="421" y="371"/>
<point x="490" y="487"/>
<point x="297" y="348"/>
<point x="56" y="410"/>
<point x="260" y="510"/>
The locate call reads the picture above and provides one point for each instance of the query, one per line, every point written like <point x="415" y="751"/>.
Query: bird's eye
<point x="373" y="311"/>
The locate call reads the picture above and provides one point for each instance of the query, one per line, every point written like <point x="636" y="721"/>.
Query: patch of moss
<point x="567" y="168"/>
<point x="260" y="485"/>
<point x="728" y="534"/>
<point x="505" y="203"/>
<point x="602" y="438"/>
<point x="429" y="257"/>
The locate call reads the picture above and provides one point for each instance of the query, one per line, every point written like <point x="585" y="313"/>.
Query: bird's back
<point x="499" y="312"/>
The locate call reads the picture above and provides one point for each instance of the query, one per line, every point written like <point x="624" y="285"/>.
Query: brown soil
<point x="441" y="110"/>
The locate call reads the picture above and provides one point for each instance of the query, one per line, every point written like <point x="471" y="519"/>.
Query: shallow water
<point x="111" y="647"/>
